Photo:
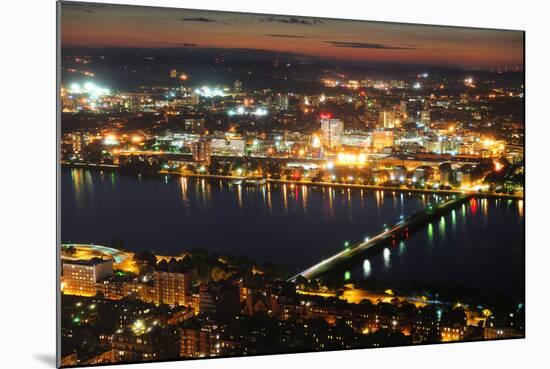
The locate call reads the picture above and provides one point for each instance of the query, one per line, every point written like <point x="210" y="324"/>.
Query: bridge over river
<point x="398" y="230"/>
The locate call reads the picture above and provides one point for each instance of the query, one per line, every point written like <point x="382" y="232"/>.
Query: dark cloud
<point x="286" y="36"/>
<point x="366" y="45"/>
<point x="188" y="44"/>
<point x="197" y="19"/>
<point x="292" y="20"/>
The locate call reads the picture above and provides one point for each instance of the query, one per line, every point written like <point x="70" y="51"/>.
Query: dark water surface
<point x="479" y="245"/>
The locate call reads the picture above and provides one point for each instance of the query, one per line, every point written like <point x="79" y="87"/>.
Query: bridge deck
<point x="403" y="226"/>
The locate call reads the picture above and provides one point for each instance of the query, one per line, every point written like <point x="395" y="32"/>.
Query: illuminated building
<point x="195" y="125"/>
<point x="173" y="73"/>
<point x="237" y="86"/>
<point x="177" y="139"/>
<point x="425" y="117"/>
<point x="201" y="151"/>
<point x="172" y="288"/>
<point x="200" y="341"/>
<point x="206" y="91"/>
<point x="356" y="140"/>
<point x="144" y="342"/>
<point x="497" y="328"/>
<point x="442" y="145"/>
<point x="350" y="158"/>
<point x="118" y="287"/>
<point x="387" y="119"/>
<point x="399" y="84"/>
<point x="69" y="103"/>
<point x="281" y="101"/>
<point x="80" y="276"/>
<point x="227" y="146"/>
<point x="492" y="333"/>
<point x="332" y="132"/>
<point x="382" y="139"/>
<point x="414" y="107"/>
<point x="134" y="101"/>
<point x="449" y="334"/>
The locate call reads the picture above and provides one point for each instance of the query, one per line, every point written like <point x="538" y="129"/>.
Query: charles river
<point x="479" y="245"/>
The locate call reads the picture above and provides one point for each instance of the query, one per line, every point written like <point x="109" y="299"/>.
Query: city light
<point x="275" y="149"/>
<point x="241" y="110"/>
<point x="350" y="158"/>
<point x="139" y="327"/>
<point x="315" y="141"/>
<point x="209" y="92"/>
<point x="89" y="88"/>
<point x="110" y="140"/>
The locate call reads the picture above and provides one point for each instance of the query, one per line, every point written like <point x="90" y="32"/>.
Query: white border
<point x="28" y="181"/>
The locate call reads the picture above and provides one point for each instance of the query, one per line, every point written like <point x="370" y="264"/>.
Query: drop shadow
<point x="47" y="359"/>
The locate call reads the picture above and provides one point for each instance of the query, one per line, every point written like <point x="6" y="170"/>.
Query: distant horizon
<point x="294" y="38"/>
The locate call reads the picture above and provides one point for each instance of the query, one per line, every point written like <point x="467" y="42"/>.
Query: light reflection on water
<point x="296" y="226"/>
<point x="366" y="268"/>
<point x="482" y="249"/>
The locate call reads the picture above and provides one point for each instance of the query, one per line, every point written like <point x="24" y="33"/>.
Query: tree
<point x="219" y="274"/>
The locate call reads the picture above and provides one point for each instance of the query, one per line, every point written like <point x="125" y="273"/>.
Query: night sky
<point x="309" y="39"/>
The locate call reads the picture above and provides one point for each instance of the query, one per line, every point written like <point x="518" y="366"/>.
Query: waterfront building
<point x="201" y="151"/>
<point x="81" y="276"/>
<point x="228" y="146"/>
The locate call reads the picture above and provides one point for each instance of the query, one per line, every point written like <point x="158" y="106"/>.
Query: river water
<point x="479" y="245"/>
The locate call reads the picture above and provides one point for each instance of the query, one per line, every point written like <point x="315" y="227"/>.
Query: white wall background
<point x="27" y="181"/>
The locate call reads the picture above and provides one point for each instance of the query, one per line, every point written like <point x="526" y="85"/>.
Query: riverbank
<point x="402" y="189"/>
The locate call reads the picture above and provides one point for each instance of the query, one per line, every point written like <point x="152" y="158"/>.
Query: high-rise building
<point x="237" y="86"/>
<point x="281" y="101"/>
<point x="414" y="107"/>
<point x="173" y="73"/>
<point x="387" y="119"/>
<point x="201" y="151"/>
<point x="81" y="276"/>
<point x="173" y="288"/>
<point x="134" y="101"/>
<point x="425" y="117"/>
<point x="332" y="132"/>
